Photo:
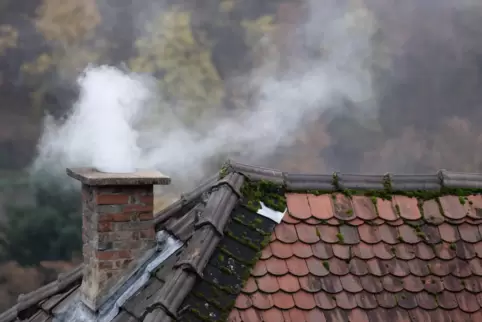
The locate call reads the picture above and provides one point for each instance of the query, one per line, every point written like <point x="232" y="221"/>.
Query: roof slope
<point x="365" y="258"/>
<point x="224" y="237"/>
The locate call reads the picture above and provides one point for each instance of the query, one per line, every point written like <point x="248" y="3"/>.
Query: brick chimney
<point x="117" y="228"/>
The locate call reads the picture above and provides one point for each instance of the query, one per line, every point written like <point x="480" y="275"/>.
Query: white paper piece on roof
<point x="274" y="215"/>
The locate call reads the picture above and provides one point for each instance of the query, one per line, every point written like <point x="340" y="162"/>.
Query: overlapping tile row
<point x="358" y="258"/>
<point x="51" y="295"/>
<point x="213" y="296"/>
<point x="208" y="232"/>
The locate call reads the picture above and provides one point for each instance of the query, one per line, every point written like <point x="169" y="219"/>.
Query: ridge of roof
<point x="443" y="179"/>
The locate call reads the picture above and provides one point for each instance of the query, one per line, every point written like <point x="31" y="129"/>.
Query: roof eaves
<point x="27" y="301"/>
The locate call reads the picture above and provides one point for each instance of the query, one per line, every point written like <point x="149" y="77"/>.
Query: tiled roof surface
<point x="404" y="259"/>
<point x="361" y="258"/>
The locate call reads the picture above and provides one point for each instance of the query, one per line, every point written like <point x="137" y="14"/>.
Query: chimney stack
<point x="117" y="227"/>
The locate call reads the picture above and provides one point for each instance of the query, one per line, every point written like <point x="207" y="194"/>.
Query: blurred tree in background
<point x="46" y="230"/>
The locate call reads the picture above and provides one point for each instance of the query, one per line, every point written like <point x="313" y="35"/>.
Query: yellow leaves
<point x="74" y="59"/>
<point x="257" y="29"/>
<point x="67" y="21"/>
<point x="39" y="66"/>
<point x="188" y="73"/>
<point x="227" y="5"/>
<point x="8" y="38"/>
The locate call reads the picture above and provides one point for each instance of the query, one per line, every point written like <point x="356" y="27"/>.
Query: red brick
<point x="146" y="216"/>
<point x="120" y="217"/>
<point x="138" y="208"/>
<point x="148" y="200"/>
<point x="109" y="199"/>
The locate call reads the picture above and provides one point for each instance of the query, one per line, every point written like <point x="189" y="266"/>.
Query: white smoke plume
<point x="111" y="125"/>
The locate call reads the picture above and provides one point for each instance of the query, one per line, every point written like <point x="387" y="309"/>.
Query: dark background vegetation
<point x="429" y="100"/>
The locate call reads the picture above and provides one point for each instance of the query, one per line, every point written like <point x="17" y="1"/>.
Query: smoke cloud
<point x="111" y="125"/>
<point x="381" y="83"/>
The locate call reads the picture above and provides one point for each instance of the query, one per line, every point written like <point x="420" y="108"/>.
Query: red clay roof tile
<point x="298" y="205"/>
<point x="322" y="251"/>
<point x="328" y="234"/>
<point x="431" y="211"/>
<point x="301" y="250"/>
<point x="234" y="316"/>
<point x="342" y="251"/>
<point x="408" y="207"/>
<point x="335" y="258"/>
<point x="250" y="286"/>
<point x="297" y="266"/>
<point x="386" y="210"/>
<point x="259" y="269"/>
<point x="283" y="300"/>
<point x="315" y="315"/>
<point x="262" y="301"/>
<point x="293" y="315"/>
<point x="364" y="208"/>
<point x="289" y="219"/>
<point x="469" y="233"/>
<point x="272" y="315"/>
<point x="426" y="301"/>
<point x="325" y="301"/>
<point x="363" y="251"/>
<point x="366" y="300"/>
<point x="276" y="266"/>
<point x="404" y="251"/>
<point x="343" y="208"/>
<point x="383" y="251"/>
<point x="289" y="283"/>
<point x="321" y="206"/>
<point x="250" y="315"/>
<point x="307" y="233"/>
<point x="266" y="253"/>
<point x="316" y="267"/>
<point x="286" y="233"/>
<point x="452" y="208"/>
<point x="304" y="300"/>
<point x="243" y="302"/>
<point x="351" y="283"/>
<point x="358" y="316"/>
<point x="281" y="250"/>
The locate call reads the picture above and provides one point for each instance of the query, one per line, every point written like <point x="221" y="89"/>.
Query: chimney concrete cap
<point x="93" y="177"/>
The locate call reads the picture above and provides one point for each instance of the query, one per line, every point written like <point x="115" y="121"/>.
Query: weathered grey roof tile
<point x="257" y="173"/>
<point x="220" y="203"/>
<point x="294" y="182"/>
<point x="403" y="182"/>
<point x="360" y="181"/>
<point x="452" y="179"/>
<point x="137" y="304"/>
<point x="40" y="316"/>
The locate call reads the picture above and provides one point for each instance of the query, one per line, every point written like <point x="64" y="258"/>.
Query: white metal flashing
<point x="274" y="215"/>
